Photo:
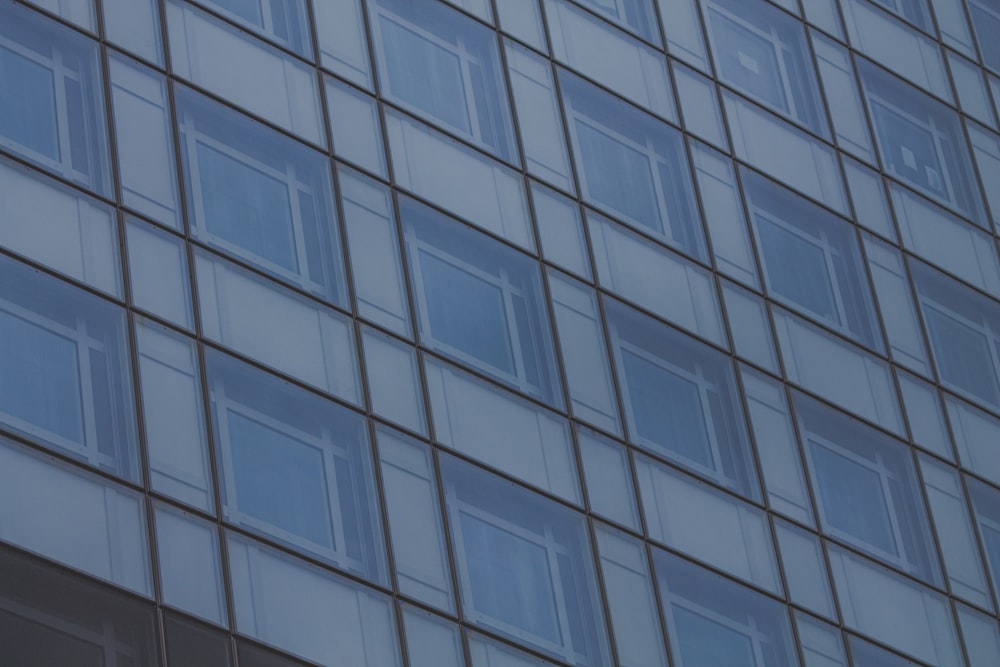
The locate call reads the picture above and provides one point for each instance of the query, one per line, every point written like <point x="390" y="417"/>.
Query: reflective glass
<point x="986" y="21"/>
<point x="282" y="21"/>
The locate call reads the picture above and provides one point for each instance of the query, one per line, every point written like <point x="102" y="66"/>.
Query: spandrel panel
<point x="523" y="20"/>
<point x="763" y="53"/>
<point x="80" y="12"/>
<point x="145" y="139"/>
<point x="260" y="196"/>
<point x="785" y="152"/>
<point x="923" y="412"/>
<point x="838" y="371"/>
<point x="774" y="434"/>
<point x="51" y="110"/>
<point x="896" y="46"/>
<point x="632" y="165"/>
<point x="65" y="371"/>
<point x="173" y="414"/>
<point x="981" y="636"/>
<point x="158" y="271"/>
<point x="976" y="433"/>
<point x="868" y="194"/>
<point x="842" y="93"/>
<point x="986" y="505"/>
<point x="986" y="150"/>
<point x="480" y="302"/>
<point x="921" y="141"/>
<point x="608" y="478"/>
<point x="373" y="242"/>
<point x="446" y="68"/>
<point x="805" y="568"/>
<point x="739" y="541"/>
<point x="811" y="260"/>
<point x="285" y="22"/>
<point x="539" y="118"/>
<point x="483" y="191"/>
<point x="680" y="399"/>
<point x="560" y="230"/>
<point x="954" y="27"/>
<point x="189" y="563"/>
<point x="355" y="126"/>
<point x="955" y="532"/>
<point x="866" y="489"/>
<point x="631" y="600"/>
<point x="394" y="380"/>
<point x="525" y="565"/>
<point x="972" y="95"/>
<point x="502" y="430"/>
<point x="431" y="641"/>
<point x="682" y="28"/>
<point x="413" y="506"/>
<point x="134" y="25"/>
<point x="721" y="199"/>
<point x="894" y="610"/>
<point x="683" y="293"/>
<point x="715" y="621"/>
<point x="59" y="227"/>
<point x="700" y="106"/>
<point x="65" y="514"/>
<point x="824" y="14"/>
<point x="945" y="240"/>
<point x="486" y="652"/>
<point x="307" y="611"/>
<point x="584" y="352"/>
<point x="294" y="467"/>
<point x="610" y="57"/>
<point x="343" y="42"/>
<point x="299" y="337"/>
<point x="822" y="644"/>
<point x="750" y="326"/>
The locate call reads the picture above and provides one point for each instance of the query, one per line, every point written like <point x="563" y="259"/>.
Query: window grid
<point x="371" y="415"/>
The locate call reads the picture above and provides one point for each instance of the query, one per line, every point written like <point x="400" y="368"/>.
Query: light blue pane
<point x="40" y="378"/>
<point x="707" y="643"/>
<point x="634" y="15"/>
<point x="962" y="353"/>
<point x="667" y="409"/>
<point x="986" y="19"/>
<point x="280" y="480"/>
<point x="246" y="207"/>
<point x="853" y="500"/>
<point x="748" y="60"/>
<point x="796" y="268"/>
<point x="27" y="104"/>
<point x="510" y="578"/>
<point x="466" y="312"/>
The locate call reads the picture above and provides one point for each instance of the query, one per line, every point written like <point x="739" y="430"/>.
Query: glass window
<point x="986" y="21"/>
<point x="964" y="332"/>
<point x="632" y="165"/>
<point x="811" y="259"/>
<point x="64" y="370"/>
<point x="634" y="15"/>
<point x="986" y="500"/>
<point x="921" y="141"/>
<point x="480" y="302"/>
<point x="283" y="21"/>
<point x="51" y="101"/>
<point x="914" y="11"/>
<point x="524" y="565"/>
<point x="294" y="466"/>
<point x="762" y="52"/>
<point x="714" y="621"/>
<point x="866" y="489"/>
<point x="445" y="67"/>
<point x="680" y="399"/>
<point x="260" y="196"/>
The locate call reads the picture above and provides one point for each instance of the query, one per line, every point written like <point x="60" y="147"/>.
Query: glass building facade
<point x="500" y="333"/>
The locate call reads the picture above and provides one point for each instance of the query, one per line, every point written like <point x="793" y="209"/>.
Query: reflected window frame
<point x="709" y="374"/>
<point x="789" y="71"/>
<point x="77" y="125"/>
<point x="284" y="22"/>
<point x="573" y="612"/>
<point x="345" y="475"/>
<point x="529" y="353"/>
<point x="914" y="11"/>
<point x="312" y="260"/>
<point x="638" y="139"/>
<point x="483" y="100"/>
<point x="634" y="15"/>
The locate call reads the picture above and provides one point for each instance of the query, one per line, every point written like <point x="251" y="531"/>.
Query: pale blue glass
<point x="480" y="302"/>
<point x="283" y="21"/>
<point x="986" y="21"/>
<point x="680" y="399"/>
<point x="64" y="370"/>
<point x="260" y="197"/>
<point x="525" y="566"/>
<point x="445" y="67"/>
<point x="295" y="467"/>
<point x="632" y="165"/>
<point x="51" y="98"/>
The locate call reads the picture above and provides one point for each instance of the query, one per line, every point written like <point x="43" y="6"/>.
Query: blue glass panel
<point x="27" y="103"/>
<point x="704" y="641"/>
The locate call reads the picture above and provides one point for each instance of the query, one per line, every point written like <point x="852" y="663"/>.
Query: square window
<point x="294" y="467"/>
<point x="480" y="302"/>
<point x="524" y="565"/>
